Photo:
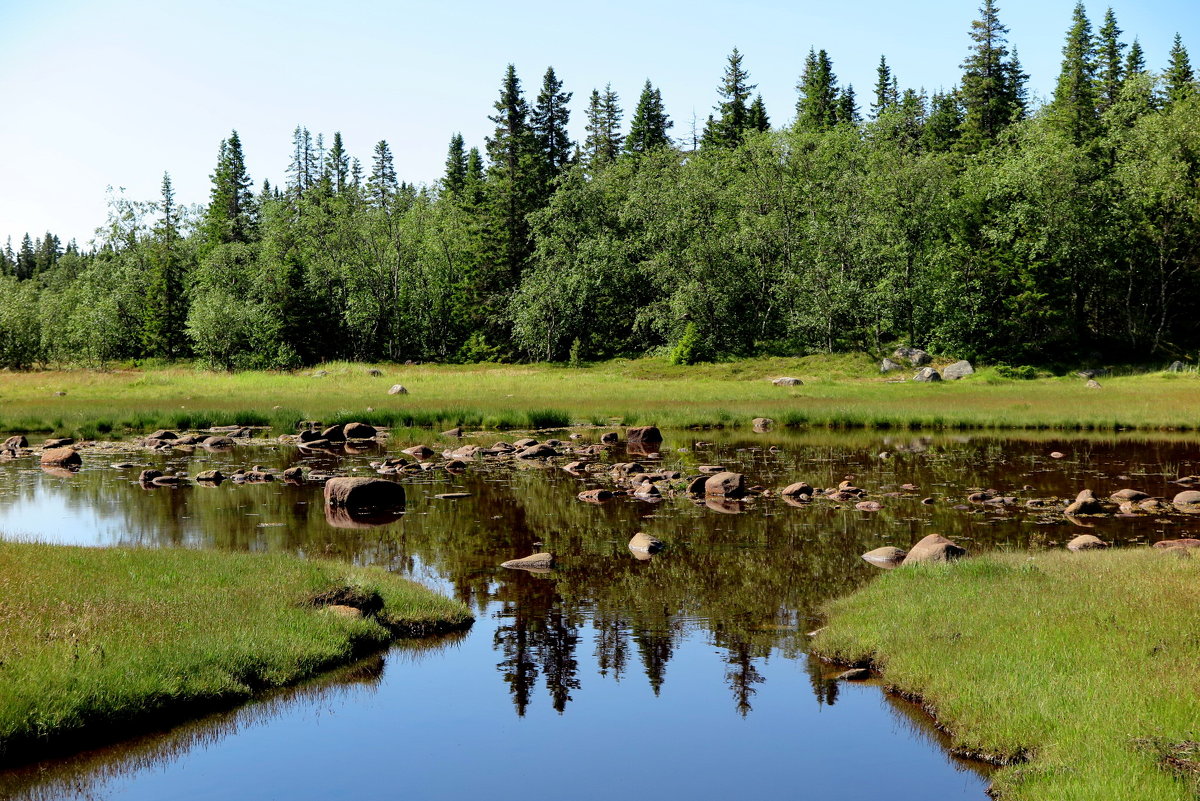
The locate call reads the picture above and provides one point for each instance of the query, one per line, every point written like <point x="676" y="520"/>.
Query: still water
<point x="680" y="676"/>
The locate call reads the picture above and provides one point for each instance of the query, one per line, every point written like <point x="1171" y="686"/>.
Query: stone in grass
<point x="363" y="493"/>
<point x="537" y="561"/>
<point x="934" y="548"/>
<point x="644" y="543"/>
<point x="398" y="389"/>
<point x="927" y="375"/>
<point x="787" y="381"/>
<point x="960" y="369"/>
<point x="889" y="366"/>
<point x="1086" y="542"/>
<point x="888" y="556"/>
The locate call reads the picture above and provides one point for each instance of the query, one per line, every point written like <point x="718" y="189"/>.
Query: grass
<point x="99" y="643"/>
<point x="1082" y="670"/>
<point x="843" y="390"/>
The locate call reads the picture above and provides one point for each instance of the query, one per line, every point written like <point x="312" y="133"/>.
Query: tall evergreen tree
<point x="382" y="186"/>
<point x="513" y="180"/>
<point x="303" y="170"/>
<point x="551" y="113"/>
<point x="473" y="178"/>
<point x="1179" y="79"/>
<point x="887" y="92"/>
<point x="847" y="106"/>
<point x="756" y="117"/>
<point x="944" y="124"/>
<point x="339" y="164"/>
<point x="1074" y="104"/>
<point x="455" y="179"/>
<point x="1110" y="67"/>
<point x="817" y="106"/>
<point x="604" y="138"/>
<point x="729" y="125"/>
<point x="991" y="88"/>
<point x="230" y="214"/>
<point x="649" y="126"/>
<point x="1135" y="62"/>
<point x="26" y="258"/>
<point x="165" y="309"/>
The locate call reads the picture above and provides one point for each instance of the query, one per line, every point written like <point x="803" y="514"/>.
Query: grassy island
<point x="98" y="643"/>
<point x="1079" y="672"/>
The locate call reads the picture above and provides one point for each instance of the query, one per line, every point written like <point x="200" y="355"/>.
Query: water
<point x="683" y="676"/>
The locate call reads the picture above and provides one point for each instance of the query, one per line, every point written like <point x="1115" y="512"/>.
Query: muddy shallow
<point x="680" y="675"/>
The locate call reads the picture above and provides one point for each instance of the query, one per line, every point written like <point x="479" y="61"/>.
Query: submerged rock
<point x="595" y="495"/>
<point x="796" y="489"/>
<point x="217" y="442"/>
<point x="645" y="543"/>
<point x="854" y="674"/>
<point x="210" y="476"/>
<point x="1128" y="495"/>
<point x="1085" y="503"/>
<point x="1187" y="498"/>
<point x="358" y="431"/>
<point x="888" y="556"/>
<point x="762" y="424"/>
<point x="934" y="548"/>
<point x="537" y="561"/>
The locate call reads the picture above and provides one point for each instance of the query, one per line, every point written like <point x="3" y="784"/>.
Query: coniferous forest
<point x="965" y="221"/>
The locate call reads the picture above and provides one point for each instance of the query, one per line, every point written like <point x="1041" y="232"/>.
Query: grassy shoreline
<point x="838" y="391"/>
<point x="102" y="643"/>
<point x="1078" y="672"/>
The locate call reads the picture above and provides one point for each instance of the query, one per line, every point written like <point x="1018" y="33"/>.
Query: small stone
<point x="645" y="543"/>
<point x="787" y="381"/>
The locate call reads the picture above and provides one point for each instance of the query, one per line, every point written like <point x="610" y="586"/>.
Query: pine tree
<point x="1135" y="62"/>
<point x="992" y="86"/>
<point x="26" y="259"/>
<point x="604" y="138"/>
<point x="549" y="123"/>
<point x="1110" y="66"/>
<point x="732" y="113"/>
<point x="339" y="163"/>
<point x="230" y="213"/>
<point x="382" y="186"/>
<point x="847" y="106"/>
<point x="886" y="90"/>
<point x="456" y="166"/>
<point x="817" y="106"/>
<point x="303" y="170"/>
<point x="944" y="123"/>
<point x="649" y="126"/>
<point x="756" y="118"/>
<point x="1179" y="79"/>
<point x="474" y="178"/>
<point x="513" y="180"/>
<point x="165" y="310"/>
<point x="1074" y="104"/>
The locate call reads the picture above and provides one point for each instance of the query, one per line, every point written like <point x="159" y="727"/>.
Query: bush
<point x="1022" y="372"/>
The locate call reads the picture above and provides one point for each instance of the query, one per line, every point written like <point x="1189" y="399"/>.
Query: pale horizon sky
<point x="100" y="94"/>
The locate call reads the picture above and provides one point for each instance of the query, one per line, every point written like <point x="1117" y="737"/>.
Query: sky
<point x="117" y="92"/>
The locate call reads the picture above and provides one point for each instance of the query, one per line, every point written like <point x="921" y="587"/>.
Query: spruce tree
<point x="382" y="186"/>
<point x="473" y="180"/>
<point x="1179" y="80"/>
<point x="1074" y="104"/>
<point x="1135" y="62"/>
<point x="513" y="181"/>
<point x="549" y="119"/>
<point x="817" y="106"/>
<point x="339" y="163"/>
<point x="302" y="170"/>
<point x="756" y="117"/>
<point x="1110" y="68"/>
<point x="26" y="258"/>
<point x="165" y="309"/>
<point x="455" y="179"/>
<point x="733" y="112"/>
<point x="847" y="106"/>
<point x="649" y="126"/>
<point x="230" y="214"/>
<point x="604" y="139"/>
<point x="944" y="123"/>
<point x="992" y="85"/>
<point x="886" y="90"/>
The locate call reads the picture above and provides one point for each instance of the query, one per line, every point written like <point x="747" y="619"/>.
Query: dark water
<point x="683" y="676"/>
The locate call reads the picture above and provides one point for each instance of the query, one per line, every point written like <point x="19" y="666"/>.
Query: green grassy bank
<point x="1081" y="669"/>
<point x="839" y="390"/>
<point x="98" y="643"/>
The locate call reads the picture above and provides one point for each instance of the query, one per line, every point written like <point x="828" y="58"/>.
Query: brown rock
<point x="169" y="481"/>
<point x="726" y="485"/>
<point x="799" y="488"/>
<point x="1085" y="503"/>
<point x="162" y="433"/>
<point x="210" y="476"/>
<point x="1129" y="495"/>
<point x="537" y="561"/>
<point x="61" y="457"/>
<point x="334" y="434"/>
<point x="541" y="451"/>
<point x="887" y="557"/>
<point x="610" y="438"/>
<point x="15" y="442"/>
<point x="868" y="506"/>
<point x="934" y="548"/>
<point x="1156" y="506"/>
<point x="594" y="495"/>
<point x="647" y="435"/>
<point x="57" y="442"/>
<point x="645" y="543"/>
<point x="217" y="442"/>
<point x="364" y="493"/>
<point x="1086" y="542"/>
<point x="1187" y="498"/>
<point x="1057" y="454"/>
<point x="358" y="431"/>
<point x="1184" y="543"/>
<point x="146" y="476"/>
<point x="419" y="451"/>
<point x="294" y="475"/>
<point x="762" y="424"/>
<point x="454" y="432"/>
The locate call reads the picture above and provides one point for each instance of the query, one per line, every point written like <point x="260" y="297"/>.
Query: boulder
<point x="454" y="432"/>
<point x="146" y="476"/>
<point x="57" y="442"/>
<point x="1184" y="543"/>
<point x="868" y="506"/>
<point x="1085" y="503"/>
<point x="169" y="481"/>
<point x="1086" y="542"/>
<point x="934" y="548"/>
<point x="960" y="369"/>
<point x="798" y="488"/>
<point x="645" y="543"/>
<point x="726" y="485"/>
<point x="610" y="438"/>
<point x="358" y="431"/>
<point x="363" y="493"/>
<point x="854" y="674"/>
<point x="217" y="442"/>
<point x="695" y="486"/>
<point x="927" y="374"/>
<point x="190" y="439"/>
<point x="334" y="434"/>
<point x="61" y="457"/>
<point x="1156" y="506"/>
<point x="762" y="424"/>
<point x="451" y="496"/>
<point x="889" y="366"/>
<point x="595" y="495"/>
<point x="539" y="451"/>
<point x="1187" y="498"/>
<point x="914" y="356"/>
<point x="537" y="561"/>
<point x="787" y="381"/>
<point x="1092" y="384"/>
<point x="210" y="476"/>
<point x="1129" y="495"/>
<point x="419" y="451"/>
<point x="1176" y="367"/>
<point x="649" y="435"/>
<point x="398" y="389"/>
<point x="888" y="556"/>
<point x="14" y="443"/>
<point x="162" y="433"/>
<point x="294" y="475"/>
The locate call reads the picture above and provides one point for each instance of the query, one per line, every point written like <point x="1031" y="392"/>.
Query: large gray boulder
<point x="927" y="374"/>
<point x="914" y="356"/>
<point x="363" y="493"/>
<point x="889" y="366"/>
<point x="960" y="369"/>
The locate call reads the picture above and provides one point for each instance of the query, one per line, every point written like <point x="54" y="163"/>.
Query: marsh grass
<point x="99" y="643"/>
<point x="1084" y="669"/>
<point x="839" y="391"/>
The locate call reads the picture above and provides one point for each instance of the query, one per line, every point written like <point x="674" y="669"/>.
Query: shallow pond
<point x="679" y="676"/>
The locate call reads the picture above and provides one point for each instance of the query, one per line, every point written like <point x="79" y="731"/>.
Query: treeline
<point x="962" y="221"/>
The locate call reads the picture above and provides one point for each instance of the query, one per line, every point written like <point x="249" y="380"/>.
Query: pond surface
<point x="679" y="676"/>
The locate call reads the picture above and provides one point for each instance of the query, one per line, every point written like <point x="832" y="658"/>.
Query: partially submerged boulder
<point x="595" y="495"/>
<point x="539" y="451"/>
<point x="726" y="485"/>
<point x="61" y="457"/>
<point x="217" y="442"/>
<point x="888" y="556"/>
<point x="645" y="543"/>
<point x="1086" y="542"/>
<point x="334" y="434"/>
<point x="537" y="561"/>
<point x="762" y="424"/>
<point x="648" y="435"/>
<point x="358" y="431"/>
<point x="798" y="488"/>
<point x="210" y="476"/>
<point x="363" y="493"/>
<point x="1133" y="495"/>
<point x="934" y="548"/>
<point x="1085" y="503"/>
<point x="1187" y="498"/>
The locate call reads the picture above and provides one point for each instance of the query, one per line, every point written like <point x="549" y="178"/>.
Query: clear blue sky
<point x="114" y="93"/>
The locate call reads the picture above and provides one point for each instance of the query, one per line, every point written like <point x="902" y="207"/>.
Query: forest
<point x="966" y="222"/>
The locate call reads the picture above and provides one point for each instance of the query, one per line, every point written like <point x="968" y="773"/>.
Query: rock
<point x="574" y="467"/>
<point x="695" y="486"/>
<point x="934" y="548"/>
<point x="762" y="424"/>
<point x="61" y="457"/>
<point x="212" y="476"/>
<point x="1187" y="498"/>
<point x="455" y="465"/>
<point x="190" y="439"/>
<point x="294" y="475"/>
<point x="14" y="443"/>
<point x="217" y="442"/>
<point x="363" y="493"/>
<point x="854" y="674"/>
<point x="419" y="451"/>
<point x="1129" y="495"/>
<point x="1085" y="503"/>
<point x="787" y="381"/>
<point x="169" y="481"/>
<point x="889" y="366"/>
<point x="540" y="451"/>
<point x="1156" y="506"/>
<point x="537" y="561"/>
<point x="308" y="435"/>
<point x="1057" y="454"/>
<point x="927" y="374"/>
<point x="1092" y="384"/>
<point x="146" y="476"/>
<point x="868" y="506"/>
<point x="1086" y="542"/>
<point x="726" y="485"/>
<point x="398" y="389"/>
<point x="162" y="433"/>
<point x="334" y="434"/>
<point x="914" y="356"/>
<point x="711" y="469"/>
<point x="888" y="556"/>
<point x="57" y="442"/>
<point x="610" y="438"/>
<point x="454" y="432"/>
<point x="320" y="374"/>
<point x="645" y="543"/>
<point x="595" y="495"/>
<point x="1175" y="367"/>
<point x="451" y="496"/>
<point x="799" y="488"/>
<point x="316" y="443"/>
<point x="1184" y="543"/>
<point x="960" y="369"/>
<point x="648" y="435"/>
<point x="358" y="431"/>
